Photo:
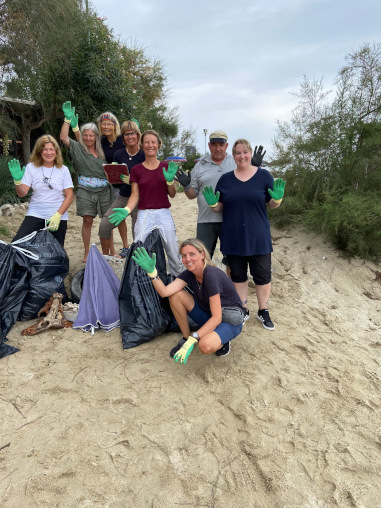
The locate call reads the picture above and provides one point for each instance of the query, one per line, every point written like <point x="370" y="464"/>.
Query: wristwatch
<point x="196" y="336"/>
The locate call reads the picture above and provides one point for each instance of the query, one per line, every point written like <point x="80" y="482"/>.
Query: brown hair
<point x="154" y="133"/>
<point x="243" y="142"/>
<point x="35" y="156"/>
<point x="130" y="125"/>
<point x="198" y="245"/>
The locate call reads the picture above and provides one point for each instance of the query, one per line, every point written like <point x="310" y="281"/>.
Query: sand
<point x="291" y="418"/>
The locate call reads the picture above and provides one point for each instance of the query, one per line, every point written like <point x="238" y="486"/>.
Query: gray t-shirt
<point x="86" y="164"/>
<point x="207" y="172"/>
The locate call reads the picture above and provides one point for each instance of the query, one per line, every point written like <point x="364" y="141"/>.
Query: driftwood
<point x="53" y="319"/>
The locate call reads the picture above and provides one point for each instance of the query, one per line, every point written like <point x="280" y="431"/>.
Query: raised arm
<point x="69" y="113"/>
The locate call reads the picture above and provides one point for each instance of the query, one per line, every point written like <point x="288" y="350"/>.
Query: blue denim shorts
<point x="225" y="331"/>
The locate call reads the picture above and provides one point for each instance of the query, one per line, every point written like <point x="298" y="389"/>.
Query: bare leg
<point x="242" y="290"/>
<point x="112" y="246"/>
<point x="123" y="233"/>
<point x="210" y="343"/>
<point x="263" y="295"/>
<point x="105" y="243"/>
<point x="181" y="303"/>
<point x="87" y="224"/>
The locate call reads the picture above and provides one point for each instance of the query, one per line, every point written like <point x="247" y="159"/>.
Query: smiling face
<point x="107" y="128"/>
<point x="150" y="145"/>
<point x="242" y="156"/>
<point x="192" y="259"/>
<point x="218" y="151"/>
<point x="130" y="139"/>
<point x="48" y="155"/>
<point x="88" y="137"/>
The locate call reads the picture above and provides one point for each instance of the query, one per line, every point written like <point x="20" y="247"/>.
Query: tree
<point x="51" y="52"/>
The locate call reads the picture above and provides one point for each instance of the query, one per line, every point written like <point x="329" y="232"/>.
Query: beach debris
<point x="53" y="319"/>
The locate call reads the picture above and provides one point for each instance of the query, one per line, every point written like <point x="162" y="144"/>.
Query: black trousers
<point x="31" y="224"/>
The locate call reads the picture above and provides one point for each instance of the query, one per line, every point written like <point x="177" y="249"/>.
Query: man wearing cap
<point x="208" y="171"/>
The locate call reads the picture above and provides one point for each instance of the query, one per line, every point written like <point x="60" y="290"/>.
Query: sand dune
<point x="291" y="418"/>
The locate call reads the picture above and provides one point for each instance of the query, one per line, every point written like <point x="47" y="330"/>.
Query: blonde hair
<point x="112" y="118"/>
<point x="98" y="146"/>
<point x="35" y="156"/>
<point x="200" y="247"/>
<point x="154" y="133"/>
<point x="130" y="125"/>
<point x="243" y="142"/>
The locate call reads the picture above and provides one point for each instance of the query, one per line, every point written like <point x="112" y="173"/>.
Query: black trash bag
<point x="47" y="273"/>
<point x="14" y="269"/>
<point x="142" y="314"/>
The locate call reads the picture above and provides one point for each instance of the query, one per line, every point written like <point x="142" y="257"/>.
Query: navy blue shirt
<point x="214" y="282"/>
<point x="110" y="148"/>
<point x="122" y="157"/>
<point x="245" y="225"/>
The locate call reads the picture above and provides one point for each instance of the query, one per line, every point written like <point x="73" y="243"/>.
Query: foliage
<point x="7" y="186"/>
<point x="51" y="52"/>
<point x="330" y="154"/>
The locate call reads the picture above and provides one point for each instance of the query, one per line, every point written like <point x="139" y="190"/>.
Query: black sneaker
<point x="264" y="317"/>
<point x="178" y="347"/>
<point x="224" y="351"/>
<point x="246" y="314"/>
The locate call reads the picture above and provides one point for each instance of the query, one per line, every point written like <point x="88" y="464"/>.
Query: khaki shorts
<point x="93" y="203"/>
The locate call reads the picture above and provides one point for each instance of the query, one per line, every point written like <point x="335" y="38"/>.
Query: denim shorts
<point x="225" y="331"/>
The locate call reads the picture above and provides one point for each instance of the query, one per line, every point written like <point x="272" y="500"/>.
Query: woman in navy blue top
<point x="243" y="196"/>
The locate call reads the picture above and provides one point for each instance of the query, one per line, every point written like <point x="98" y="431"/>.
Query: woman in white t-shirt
<point x="52" y="188"/>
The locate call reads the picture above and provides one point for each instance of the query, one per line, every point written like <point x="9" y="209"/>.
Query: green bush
<point x="290" y="211"/>
<point x="352" y="220"/>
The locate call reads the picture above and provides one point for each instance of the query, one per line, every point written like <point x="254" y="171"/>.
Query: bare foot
<point x="84" y="259"/>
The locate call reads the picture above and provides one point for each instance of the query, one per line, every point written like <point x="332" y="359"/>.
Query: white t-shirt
<point x="45" y="201"/>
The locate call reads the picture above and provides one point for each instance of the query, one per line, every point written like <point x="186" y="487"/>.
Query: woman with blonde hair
<point x="52" y="188"/>
<point x="243" y="196"/>
<point x="152" y="182"/>
<point x="94" y="194"/>
<point x="130" y="155"/>
<point x="214" y="304"/>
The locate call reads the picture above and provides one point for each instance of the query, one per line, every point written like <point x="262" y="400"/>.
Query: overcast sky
<point x="232" y="64"/>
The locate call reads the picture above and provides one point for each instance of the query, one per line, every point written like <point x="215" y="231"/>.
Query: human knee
<point x="206" y="347"/>
<point x="88" y="221"/>
<point x="105" y="228"/>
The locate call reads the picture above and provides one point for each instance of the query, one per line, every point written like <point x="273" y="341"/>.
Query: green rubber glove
<point x="54" y="222"/>
<point x="16" y="171"/>
<point x="169" y="174"/>
<point x="74" y="123"/>
<point x="119" y="215"/>
<point x="69" y="112"/>
<point x="210" y="197"/>
<point x="278" y="190"/>
<point x="125" y="178"/>
<point x="183" y="353"/>
<point x="143" y="259"/>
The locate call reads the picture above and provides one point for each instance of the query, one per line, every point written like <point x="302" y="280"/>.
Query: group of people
<point x="233" y="193"/>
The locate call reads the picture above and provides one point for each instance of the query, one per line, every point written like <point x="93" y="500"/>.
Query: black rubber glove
<point x="182" y="178"/>
<point x="257" y="158"/>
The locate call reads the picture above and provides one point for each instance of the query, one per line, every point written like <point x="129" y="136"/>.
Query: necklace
<point x="45" y="179"/>
<point x="132" y="154"/>
<point x="199" y="284"/>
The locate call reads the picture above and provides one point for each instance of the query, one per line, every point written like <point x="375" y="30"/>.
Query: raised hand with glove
<point x="69" y="112"/>
<point x="257" y="158"/>
<point x="74" y="123"/>
<point x="182" y="178"/>
<point x="143" y="259"/>
<point x="185" y="350"/>
<point x="54" y="222"/>
<point x="210" y="197"/>
<point x="278" y="190"/>
<point x="169" y="174"/>
<point x="16" y="171"/>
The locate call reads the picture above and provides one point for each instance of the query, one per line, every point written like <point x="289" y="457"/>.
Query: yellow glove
<point x="125" y="178"/>
<point x="186" y="349"/>
<point x="54" y="222"/>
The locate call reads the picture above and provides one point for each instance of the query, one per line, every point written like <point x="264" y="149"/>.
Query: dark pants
<point x="208" y="233"/>
<point x="31" y="224"/>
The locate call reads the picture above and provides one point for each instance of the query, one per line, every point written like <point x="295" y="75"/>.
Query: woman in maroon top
<point x="151" y="183"/>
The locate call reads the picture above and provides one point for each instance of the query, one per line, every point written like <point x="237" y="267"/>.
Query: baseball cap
<point x="218" y="137"/>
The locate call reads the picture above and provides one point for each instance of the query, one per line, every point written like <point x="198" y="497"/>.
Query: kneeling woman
<point x="214" y="300"/>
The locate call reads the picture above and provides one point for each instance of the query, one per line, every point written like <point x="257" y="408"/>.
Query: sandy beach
<point x="291" y="418"/>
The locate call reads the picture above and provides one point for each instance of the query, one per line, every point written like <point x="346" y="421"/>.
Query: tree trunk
<point x="25" y="132"/>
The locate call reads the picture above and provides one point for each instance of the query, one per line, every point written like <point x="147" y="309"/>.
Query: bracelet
<point x="277" y="200"/>
<point x="170" y="183"/>
<point x="155" y="278"/>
